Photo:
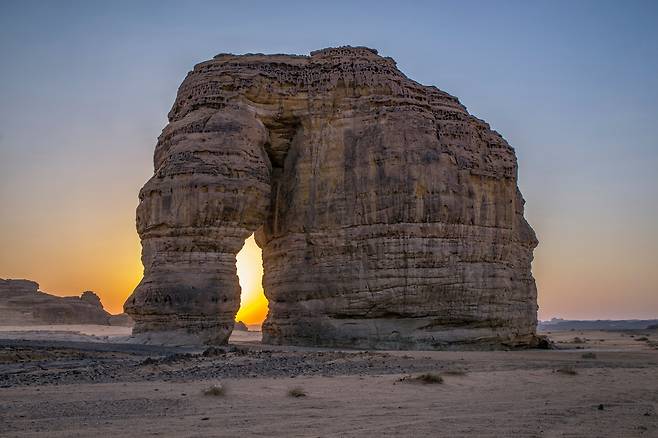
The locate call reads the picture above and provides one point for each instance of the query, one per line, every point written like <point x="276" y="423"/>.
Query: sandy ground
<point x="89" y="385"/>
<point x="64" y="332"/>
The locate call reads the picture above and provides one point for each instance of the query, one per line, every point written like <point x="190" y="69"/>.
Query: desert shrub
<point x="589" y="355"/>
<point x="215" y="391"/>
<point x="568" y="370"/>
<point x="578" y="340"/>
<point x="426" y="379"/>
<point x="296" y="392"/>
<point x="642" y="338"/>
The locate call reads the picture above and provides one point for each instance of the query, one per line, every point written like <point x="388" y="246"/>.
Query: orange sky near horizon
<point x="120" y="270"/>
<point x="109" y="264"/>
<point x="253" y="304"/>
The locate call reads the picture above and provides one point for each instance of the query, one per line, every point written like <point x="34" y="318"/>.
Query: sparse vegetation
<point x="578" y="340"/>
<point x="642" y="338"/>
<point x="589" y="355"/>
<point x="217" y="390"/>
<point x="426" y="379"/>
<point x="296" y="392"/>
<point x="567" y="370"/>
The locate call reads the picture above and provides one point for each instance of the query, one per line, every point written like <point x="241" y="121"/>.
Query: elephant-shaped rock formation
<point x="388" y="216"/>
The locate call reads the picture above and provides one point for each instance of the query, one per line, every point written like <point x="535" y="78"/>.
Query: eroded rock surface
<point x="388" y="216"/>
<point x="22" y="303"/>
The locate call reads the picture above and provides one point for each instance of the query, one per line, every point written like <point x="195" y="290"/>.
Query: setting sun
<point x="253" y="304"/>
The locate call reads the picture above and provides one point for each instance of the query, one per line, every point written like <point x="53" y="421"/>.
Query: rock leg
<point x="210" y="191"/>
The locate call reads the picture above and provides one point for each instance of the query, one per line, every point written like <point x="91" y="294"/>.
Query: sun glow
<point x="253" y="304"/>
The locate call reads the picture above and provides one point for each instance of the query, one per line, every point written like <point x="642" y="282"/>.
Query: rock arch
<point x="388" y="216"/>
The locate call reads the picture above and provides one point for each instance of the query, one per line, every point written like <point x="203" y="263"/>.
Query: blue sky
<point x="85" y="88"/>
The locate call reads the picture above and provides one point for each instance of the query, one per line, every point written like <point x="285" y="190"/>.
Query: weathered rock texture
<point x="388" y="216"/>
<point x="21" y="303"/>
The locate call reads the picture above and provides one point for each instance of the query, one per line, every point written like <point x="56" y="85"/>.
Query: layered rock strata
<point x="22" y="303"/>
<point x="389" y="217"/>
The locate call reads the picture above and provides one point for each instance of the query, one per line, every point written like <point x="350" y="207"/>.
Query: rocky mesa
<point x="22" y="303"/>
<point x="389" y="217"/>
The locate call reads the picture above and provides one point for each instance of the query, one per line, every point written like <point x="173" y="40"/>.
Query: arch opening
<point x="253" y="303"/>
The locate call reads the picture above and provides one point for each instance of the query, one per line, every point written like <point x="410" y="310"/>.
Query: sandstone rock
<point x="389" y="217"/>
<point x="91" y="298"/>
<point x="122" y="319"/>
<point x="14" y="288"/>
<point x="21" y="303"/>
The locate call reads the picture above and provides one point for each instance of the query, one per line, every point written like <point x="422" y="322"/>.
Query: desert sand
<point x="58" y="381"/>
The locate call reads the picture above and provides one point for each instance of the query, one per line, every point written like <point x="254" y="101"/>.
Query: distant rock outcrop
<point x="122" y="319"/>
<point x="240" y="326"/>
<point x="389" y="217"/>
<point x="21" y="303"/>
<point x="91" y="298"/>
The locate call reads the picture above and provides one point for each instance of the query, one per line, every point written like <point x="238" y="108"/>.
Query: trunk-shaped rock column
<point x="210" y="191"/>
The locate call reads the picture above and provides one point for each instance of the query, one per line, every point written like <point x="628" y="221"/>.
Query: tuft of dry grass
<point x="425" y="379"/>
<point x="589" y="355"/>
<point x="296" y="392"/>
<point x="217" y="390"/>
<point x="568" y="370"/>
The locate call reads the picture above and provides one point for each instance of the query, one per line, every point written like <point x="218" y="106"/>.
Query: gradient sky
<point x="85" y="88"/>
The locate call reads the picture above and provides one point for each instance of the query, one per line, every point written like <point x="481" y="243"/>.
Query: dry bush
<point x="296" y="392"/>
<point x="426" y="379"/>
<point x="642" y="338"/>
<point x="568" y="370"/>
<point x="589" y="355"/>
<point x="217" y="390"/>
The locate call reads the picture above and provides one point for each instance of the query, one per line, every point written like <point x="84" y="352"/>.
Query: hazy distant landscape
<point x="599" y="324"/>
